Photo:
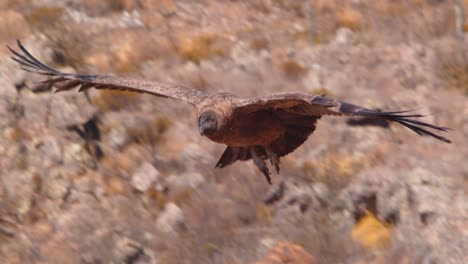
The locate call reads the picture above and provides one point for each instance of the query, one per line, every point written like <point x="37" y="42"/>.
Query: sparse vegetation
<point x="151" y="133"/>
<point x="292" y="69"/>
<point x="17" y="134"/>
<point x="44" y="17"/>
<point x="201" y="47"/>
<point x="109" y="100"/>
<point x="456" y="77"/>
<point x="259" y="43"/>
<point x="333" y="169"/>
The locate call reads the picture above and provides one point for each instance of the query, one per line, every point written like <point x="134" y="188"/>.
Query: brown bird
<point x="259" y="128"/>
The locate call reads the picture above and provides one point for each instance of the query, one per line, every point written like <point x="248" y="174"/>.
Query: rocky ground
<point x="113" y="177"/>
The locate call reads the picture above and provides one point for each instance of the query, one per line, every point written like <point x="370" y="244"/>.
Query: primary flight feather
<point x="260" y="128"/>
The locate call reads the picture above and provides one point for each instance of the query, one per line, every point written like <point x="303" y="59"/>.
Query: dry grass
<point x="99" y="8"/>
<point x="151" y="133"/>
<point x="322" y="91"/>
<point x="392" y="9"/>
<point x="17" y="134"/>
<point x="116" y="186"/>
<point x="109" y="100"/>
<point x="335" y="170"/>
<point x="259" y="43"/>
<point x="160" y="199"/>
<point x="457" y="77"/>
<point x="120" y="163"/>
<point x="292" y="69"/>
<point x="453" y="58"/>
<point x="265" y="213"/>
<point x="44" y="17"/>
<point x="201" y="47"/>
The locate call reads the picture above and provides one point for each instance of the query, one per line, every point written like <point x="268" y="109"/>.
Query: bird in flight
<point x="263" y="128"/>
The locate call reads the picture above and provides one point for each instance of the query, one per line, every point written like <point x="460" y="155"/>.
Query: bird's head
<point x="208" y="123"/>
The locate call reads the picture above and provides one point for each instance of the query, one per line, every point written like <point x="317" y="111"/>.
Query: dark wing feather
<point x="312" y="105"/>
<point x="67" y="81"/>
<point x="297" y="103"/>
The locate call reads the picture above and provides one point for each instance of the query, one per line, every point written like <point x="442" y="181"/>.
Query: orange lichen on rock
<point x="372" y="233"/>
<point x="287" y="252"/>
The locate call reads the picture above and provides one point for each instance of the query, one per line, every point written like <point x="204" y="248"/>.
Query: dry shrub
<point x="151" y="132"/>
<point x="453" y="58"/>
<point x="110" y="100"/>
<point x="157" y="197"/>
<point x="456" y="77"/>
<point x="265" y="213"/>
<point x="392" y="9"/>
<point x="322" y="91"/>
<point x="126" y="68"/>
<point x="45" y="17"/>
<point x="121" y="162"/>
<point x="295" y="6"/>
<point x="259" y="43"/>
<point x="292" y="69"/>
<point x="201" y="47"/>
<point x="349" y="18"/>
<point x="116" y="186"/>
<point x="130" y="48"/>
<point x="335" y="170"/>
<point x="262" y="6"/>
<point x="17" y="134"/>
<point x="99" y="8"/>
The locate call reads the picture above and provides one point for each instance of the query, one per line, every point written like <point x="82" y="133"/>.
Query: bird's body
<point x="248" y="129"/>
<point x="260" y="128"/>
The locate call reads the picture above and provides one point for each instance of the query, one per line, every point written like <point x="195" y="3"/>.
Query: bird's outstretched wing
<point x="303" y="104"/>
<point x="66" y="81"/>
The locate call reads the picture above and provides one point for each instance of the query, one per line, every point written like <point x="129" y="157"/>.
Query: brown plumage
<point x="259" y="128"/>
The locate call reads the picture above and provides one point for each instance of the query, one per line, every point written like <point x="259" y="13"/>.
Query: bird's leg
<point x="273" y="157"/>
<point x="260" y="163"/>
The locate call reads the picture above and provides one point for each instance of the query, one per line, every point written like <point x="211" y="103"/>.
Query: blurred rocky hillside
<point x="114" y="177"/>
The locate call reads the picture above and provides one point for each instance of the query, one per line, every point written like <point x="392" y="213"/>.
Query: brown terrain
<point x="116" y="177"/>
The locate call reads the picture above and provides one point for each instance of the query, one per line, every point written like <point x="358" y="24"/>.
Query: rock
<point x="171" y="219"/>
<point x="19" y="190"/>
<point x="118" y="137"/>
<point x="287" y="252"/>
<point x="194" y="155"/>
<point x="266" y="244"/>
<point x="47" y="152"/>
<point x="344" y="36"/>
<point x="129" y="251"/>
<point x="69" y="109"/>
<point x="297" y="200"/>
<point x="184" y="181"/>
<point x="145" y="176"/>
<point x="56" y="185"/>
<point x="244" y="56"/>
<point x="76" y="154"/>
<point x="313" y="80"/>
<point x="321" y="192"/>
